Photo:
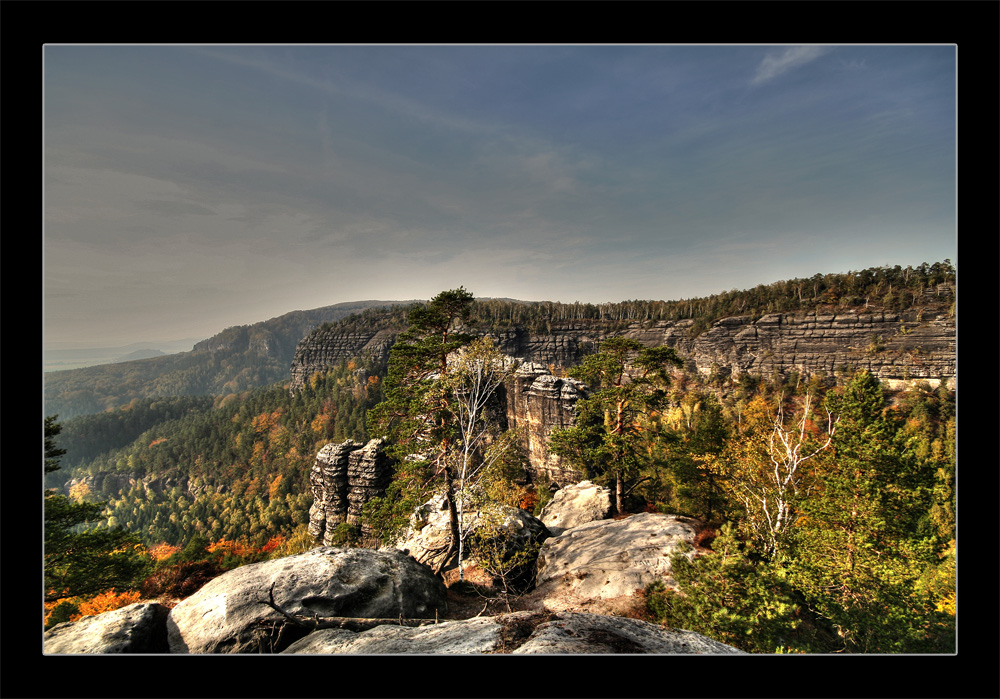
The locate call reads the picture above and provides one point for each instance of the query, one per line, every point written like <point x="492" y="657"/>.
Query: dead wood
<point x="340" y="622"/>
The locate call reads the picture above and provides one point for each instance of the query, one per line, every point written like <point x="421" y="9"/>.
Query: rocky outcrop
<point x="576" y="504"/>
<point x="917" y="344"/>
<point x="344" y="477"/>
<point x="429" y="532"/>
<point x="895" y="347"/>
<point x="541" y="403"/>
<point x="226" y="615"/>
<point x="322" y="350"/>
<point x="519" y="633"/>
<point x="137" y="628"/>
<point x="602" y="561"/>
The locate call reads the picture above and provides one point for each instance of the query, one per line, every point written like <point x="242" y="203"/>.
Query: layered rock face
<point x="344" y="477"/>
<point x="541" y="403"/>
<point x="323" y="350"/>
<point x="913" y="344"/>
<point x="895" y="347"/>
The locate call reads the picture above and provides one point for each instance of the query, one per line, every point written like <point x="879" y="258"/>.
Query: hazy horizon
<point x="192" y="188"/>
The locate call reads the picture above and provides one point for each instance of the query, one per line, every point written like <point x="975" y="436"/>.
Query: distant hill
<point x="62" y="358"/>
<point x="141" y="354"/>
<point x="237" y="359"/>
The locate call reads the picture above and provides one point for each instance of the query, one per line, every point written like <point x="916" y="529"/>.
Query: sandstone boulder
<point x="574" y="505"/>
<point x="226" y="615"/>
<point x="137" y="628"/>
<point x="427" y="537"/>
<point x="518" y="633"/>
<point x="608" y="560"/>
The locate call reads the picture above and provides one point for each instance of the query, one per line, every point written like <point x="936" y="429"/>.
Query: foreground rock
<point x="226" y="615"/>
<point x="574" y="505"/>
<point x="137" y="628"/>
<point x="517" y="633"/>
<point x="598" y="562"/>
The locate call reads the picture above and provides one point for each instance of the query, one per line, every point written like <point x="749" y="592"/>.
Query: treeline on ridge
<point x="888" y="288"/>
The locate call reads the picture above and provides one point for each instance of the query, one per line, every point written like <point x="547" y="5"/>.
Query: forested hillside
<point x="235" y="469"/>
<point x="237" y="359"/>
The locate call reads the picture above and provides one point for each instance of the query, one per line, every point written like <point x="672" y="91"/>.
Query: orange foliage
<point x="529" y="501"/>
<point x="235" y="548"/>
<point x="265" y="421"/>
<point x="161" y="440"/>
<point x="321" y="422"/>
<point x="108" y="601"/>
<point x="163" y="551"/>
<point x="272" y="489"/>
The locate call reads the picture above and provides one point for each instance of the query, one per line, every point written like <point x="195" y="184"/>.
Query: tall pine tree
<point x="416" y="415"/>
<point x="858" y="553"/>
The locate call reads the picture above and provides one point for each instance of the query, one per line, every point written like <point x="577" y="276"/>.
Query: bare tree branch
<point x="340" y="622"/>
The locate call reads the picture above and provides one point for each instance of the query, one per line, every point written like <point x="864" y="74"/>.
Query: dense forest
<point x="862" y="560"/>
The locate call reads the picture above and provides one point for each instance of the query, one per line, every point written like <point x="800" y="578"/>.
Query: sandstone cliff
<point x="541" y="403"/>
<point x="894" y="346"/>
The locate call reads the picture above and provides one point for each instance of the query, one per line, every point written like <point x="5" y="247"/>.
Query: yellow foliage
<point x="947" y="604"/>
<point x="272" y="490"/>
<point x="79" y="491"/>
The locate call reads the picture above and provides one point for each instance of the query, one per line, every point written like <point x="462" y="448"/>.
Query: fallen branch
<point x="340" y="622"/>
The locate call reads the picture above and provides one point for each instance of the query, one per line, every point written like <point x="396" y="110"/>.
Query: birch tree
<point x="475" y="376"/>
<point x="763" y="467"/>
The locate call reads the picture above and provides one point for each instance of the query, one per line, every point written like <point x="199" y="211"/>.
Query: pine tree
<point x="79" y="561"/>
<point x="857" y="551"/>
<point x="627" y="381"/>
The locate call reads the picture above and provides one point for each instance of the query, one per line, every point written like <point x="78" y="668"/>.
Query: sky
<point x="191" y="188"/>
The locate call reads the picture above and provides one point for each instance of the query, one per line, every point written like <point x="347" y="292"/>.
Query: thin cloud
<point x="774" y="65"/>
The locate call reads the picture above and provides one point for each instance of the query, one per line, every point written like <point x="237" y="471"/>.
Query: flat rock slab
<point x="521" y="633"/>
<point x="575" y="633"/>
<point x="469" y="636"/>
<point x="609" y="558"/>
